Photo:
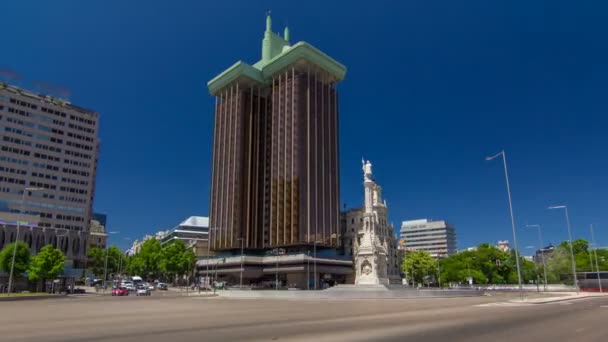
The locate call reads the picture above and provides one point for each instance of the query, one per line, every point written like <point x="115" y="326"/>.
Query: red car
<point x="120" y="291"/>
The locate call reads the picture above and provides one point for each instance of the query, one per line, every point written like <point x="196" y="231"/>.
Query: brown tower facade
<point x="275" y="171"/>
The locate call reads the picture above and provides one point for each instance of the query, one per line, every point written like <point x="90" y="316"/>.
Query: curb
<point x="20" y="298"/>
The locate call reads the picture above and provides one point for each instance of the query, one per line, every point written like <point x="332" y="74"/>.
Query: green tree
<point x="177" y="259"/>
<point x="22" y="258"/>
<point x="146" y="263"/>
<point x="47" y="264"/>
<point x="418" y="265"/>
<point x="97" y="261"/>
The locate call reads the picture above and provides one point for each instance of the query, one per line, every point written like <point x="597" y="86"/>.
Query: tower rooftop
<point x="277" y="54"/>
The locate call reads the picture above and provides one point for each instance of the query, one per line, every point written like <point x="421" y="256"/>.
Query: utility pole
<point x="597" y="268"/>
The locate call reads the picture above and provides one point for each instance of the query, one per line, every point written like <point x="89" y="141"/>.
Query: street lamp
<point x="10" y="277"/>
<point x="597" y="268"/>
<point x="569" y="242"/>
<point x="208" y="253"/>
<point x="542" y="253"/>
<point x="241" y="277"/>
<point x="315" y="262"/>
<point x="504" y="159"/>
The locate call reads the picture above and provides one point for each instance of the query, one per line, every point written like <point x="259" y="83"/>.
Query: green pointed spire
<point x="286" y="34"/>
<point x="268" y="22"/>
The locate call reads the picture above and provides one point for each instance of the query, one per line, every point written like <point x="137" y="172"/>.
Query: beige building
<point x="97" y="235"/>
<point x="48" y="162"/>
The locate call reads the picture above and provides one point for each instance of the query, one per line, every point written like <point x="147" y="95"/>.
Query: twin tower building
<point x="275" y="170"/>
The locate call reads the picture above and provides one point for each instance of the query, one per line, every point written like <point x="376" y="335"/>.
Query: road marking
<point x="502" y="304"/>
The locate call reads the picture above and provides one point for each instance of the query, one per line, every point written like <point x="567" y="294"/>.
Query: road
<point x="215" y="319"/>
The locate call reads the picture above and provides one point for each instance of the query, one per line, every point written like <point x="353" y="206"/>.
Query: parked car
<point x="142" y="291"/>
<point x="120" y="291"/>
<point x="77" y="290"/>
<point x="128" y="285"/>
<point x="149" y="286"/>
<point x="161" y="286"/>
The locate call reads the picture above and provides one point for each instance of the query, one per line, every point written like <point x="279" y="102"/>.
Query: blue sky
<point x="432" y="88"/>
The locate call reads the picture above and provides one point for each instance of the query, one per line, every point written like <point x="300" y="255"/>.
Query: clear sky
<point x="432" y="88"/>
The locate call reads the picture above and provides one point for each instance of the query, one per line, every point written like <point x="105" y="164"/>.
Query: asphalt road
<point x="175" y="319"/>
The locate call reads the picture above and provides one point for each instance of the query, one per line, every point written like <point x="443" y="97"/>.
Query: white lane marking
<point x="502" y="304"/>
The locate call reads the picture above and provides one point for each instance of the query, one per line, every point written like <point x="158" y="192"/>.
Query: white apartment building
<point x="436" y="237"/>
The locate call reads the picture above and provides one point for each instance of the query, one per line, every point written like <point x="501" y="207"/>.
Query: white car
<point x="128" y="285"/>
<point x="142" y="291"/>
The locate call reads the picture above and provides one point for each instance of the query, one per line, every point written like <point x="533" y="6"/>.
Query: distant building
<point x="503" y="245"/>
<point x="136" y="246"/>
<point x="194" y="231"/>
<point x="546" y="252"/>
<point x="436" y="237"/>
<point x="97" y="233"/>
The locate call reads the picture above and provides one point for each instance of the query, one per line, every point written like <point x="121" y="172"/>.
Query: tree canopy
<point x="97" y="260"/>
<point x="22" y="258"/>
<point x="47" y="264"/>
<point x="417" y="265"/>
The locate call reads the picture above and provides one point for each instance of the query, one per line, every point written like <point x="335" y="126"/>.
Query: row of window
<point x="78" y="154"/>
<point x="72" y="190"/>
<point x="76" y="163"/>
<point x="80" y="128"/>
<point x="69" y="218"/>
<point x="77" y="145"/>
<point x="49" y="148"/>
<point x="43" y="185"/>
<point x="46" y="157"/>
<point x="43" y="175"/>
<point x="12" y="170"/>
<point x="6" y="203"/>
<point x="15" y="150"/>
<point x="51" y="111"/>
<point x="12" y="180"/>
<point x="16" y="141"/>
<point x="76" y="172"/>
<point x="78" y="136"/>
<point x="50" y="129"/>
<point x="35" y="116"/>
<point x="87" y="121"/>
<point x="72" y="199"/>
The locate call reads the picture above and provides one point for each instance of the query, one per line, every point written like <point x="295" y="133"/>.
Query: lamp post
<point x="542" y="253"/>
<point x="315" y="262"/>
<point x="569" y="242"/>
<point x="241" y="277"/>
<point x="10" y="277"/>
<point x="208" y="253"/>
<point x="504" y="159"/>
<point x="597" y="268"/>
